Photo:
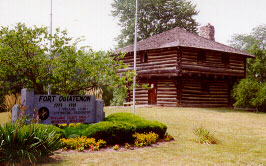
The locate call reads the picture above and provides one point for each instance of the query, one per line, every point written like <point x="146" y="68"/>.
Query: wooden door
<point x="152" y="93"/>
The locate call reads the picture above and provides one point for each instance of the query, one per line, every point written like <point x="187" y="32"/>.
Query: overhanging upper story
<point x="177" y="53"/>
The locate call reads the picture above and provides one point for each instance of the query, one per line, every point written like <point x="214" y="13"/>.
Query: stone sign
<point x="57" y="109"/>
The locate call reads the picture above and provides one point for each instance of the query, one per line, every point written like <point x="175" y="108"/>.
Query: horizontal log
<point x="166" y="75"/>
<point x="203" y="99"/>
<point x="157" y="71"/>
<point x="168" y="105"/>
<point x="209" y="69"/>
<point x="165" y="100"/>
<point x="204" y="105"/>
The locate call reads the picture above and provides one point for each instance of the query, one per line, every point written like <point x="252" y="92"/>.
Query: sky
<point x="92" y="18"/>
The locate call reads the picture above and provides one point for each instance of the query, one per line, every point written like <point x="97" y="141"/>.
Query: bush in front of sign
<point x="111" y="132"/>
<point x="142" y="125"/>
<point x="21" y="144"/>
<point x="73" y="131"/>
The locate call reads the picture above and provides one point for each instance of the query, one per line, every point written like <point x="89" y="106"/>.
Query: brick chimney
<point x="207" y="31"/>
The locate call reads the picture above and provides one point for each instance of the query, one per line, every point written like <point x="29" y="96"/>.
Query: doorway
<point x="152" y="93"/>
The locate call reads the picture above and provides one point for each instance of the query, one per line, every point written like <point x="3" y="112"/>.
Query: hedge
<point x="142" y="125"/>
<point x="111" y="132"/>
<point x="76" y="131"/>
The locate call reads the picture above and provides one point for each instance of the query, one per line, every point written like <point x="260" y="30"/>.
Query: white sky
<point x="92" y="18"/>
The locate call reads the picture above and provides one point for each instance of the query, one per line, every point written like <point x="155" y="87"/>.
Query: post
<point x="51" y="42"/>
<point x="135" y="55"/>
<point x="51" y="23"/>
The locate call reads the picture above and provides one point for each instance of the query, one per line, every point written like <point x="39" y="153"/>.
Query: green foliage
<point x="116" y="147"/>
<point x="142" y="125"/>
<point x="107" y="95"/>
<point x="119" y="95"/>
<point x="75" y="131"/>
<point x="26" y="143"/>
<point x="250" y="91"/>
<point x="204" y="136"/>
<point x="255" y="44"/>
<point x="245" y="42"/>
<point x="154" y="16"/>
<point x="245" y="91"/>
<point x="259" y="102"/>
<point x="145" y="139"/>
<point x="50" y="128"/>
<point x="111" y="132"/>
<point x="168" y="137"/>
<point x="256" y="68"/>
<point x="27" y="62"/>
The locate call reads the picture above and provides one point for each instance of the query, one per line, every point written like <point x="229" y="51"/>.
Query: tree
<point x="26" y="62"/>
<point x="255" y="44"/>
<point x="245" y="42"/>
<point x="250" y="92"/>
<point x="154" y="16"/>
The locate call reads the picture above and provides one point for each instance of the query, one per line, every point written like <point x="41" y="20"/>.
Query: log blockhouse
<point x="185" y="69"/>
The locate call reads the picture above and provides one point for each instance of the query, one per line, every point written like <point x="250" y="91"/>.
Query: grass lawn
<point x="241" y="135"/>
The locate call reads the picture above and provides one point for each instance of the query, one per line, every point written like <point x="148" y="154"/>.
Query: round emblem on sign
<point x="43" y="113"/>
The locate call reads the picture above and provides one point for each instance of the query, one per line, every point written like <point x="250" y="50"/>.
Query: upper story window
<point x="201" y="57"/>
<point x="144" y="57"/>
<point x="225" y="59"/>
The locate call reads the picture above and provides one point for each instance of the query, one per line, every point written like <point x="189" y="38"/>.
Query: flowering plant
<point x="116" y="147"/>
<point x="127" y="145"/>
<point x="145" y="139"/>
<point x="79" y="142"/>
<point x="168" y="137"/>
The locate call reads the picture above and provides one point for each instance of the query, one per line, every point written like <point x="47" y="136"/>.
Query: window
<point x="205" y="86"/>
<point x="201" y="57"/>
<point x="225" y="59"/>
<point x="144" y="57"/>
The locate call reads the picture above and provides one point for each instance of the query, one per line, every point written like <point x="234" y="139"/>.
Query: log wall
<point x="166" y="92"/>
<point x="193" y="96"/>
<point x="179" y="75"/>
<point x="141" y="93"/>
<point x="213" y="63"/>
<point x="159" y="62"/>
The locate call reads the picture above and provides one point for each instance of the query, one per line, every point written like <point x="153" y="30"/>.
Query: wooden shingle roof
<point x="180" y="37"/>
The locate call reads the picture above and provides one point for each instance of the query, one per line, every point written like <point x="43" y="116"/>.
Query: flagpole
<point x="51" y="33"/>
<point x="51" y="23"/>
<point x="135" y="55"/>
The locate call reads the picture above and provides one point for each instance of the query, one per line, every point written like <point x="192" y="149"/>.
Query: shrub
<point x="80" y="143"/>
<point x="26" y="143"/>
<point x="10" y="100"/>
<point x="245" y="91"/>
<point x="127" y="145"/>
<point x="168" y="137"/>
<point x="204" y="136"/>
<point x="75" y="130"/>
<point x="142" y="125"/>
<point x="119" y="95"/>
<point x="111" y="132"/>
<point x="250" y="93"/>
<point x="61" y="133"/>
<point x="116" y="147"/>
<point x="145" y="139"/>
